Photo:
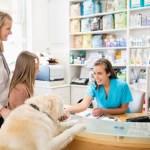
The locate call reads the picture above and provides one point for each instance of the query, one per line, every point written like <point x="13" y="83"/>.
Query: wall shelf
<point x="100" y="31"/>
<point x="97" y="15"/>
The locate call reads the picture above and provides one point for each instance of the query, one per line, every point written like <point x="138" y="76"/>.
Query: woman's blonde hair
<point x="24" y="72"/>
<point x="3" y="17"/>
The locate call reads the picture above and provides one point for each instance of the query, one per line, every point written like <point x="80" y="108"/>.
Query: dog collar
<point x="37" y="108"/>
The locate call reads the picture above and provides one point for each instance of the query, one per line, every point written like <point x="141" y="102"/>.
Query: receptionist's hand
<point x="97" y="112"/>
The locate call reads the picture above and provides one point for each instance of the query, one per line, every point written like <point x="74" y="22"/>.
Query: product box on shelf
<point x="87" y="41"/>
<point x="144" y="19"/>
<point x="148" y="20"/>
<point x="120" y="20"/>
<point x="120" y="5"/>
<point x="75" y="25"/>
<point x="96" y="41"/>
<point x="85" y="25"/>
<point x="108" y="22"/>
<point x="88" y="7"/>
<point x="95" y="24"/>
<point x="75" y="10"/>
<point x="136" y="3"/>
<point x="78" y="41"/>
<point x="146" y="3"/>
<point x="110" y="6"/>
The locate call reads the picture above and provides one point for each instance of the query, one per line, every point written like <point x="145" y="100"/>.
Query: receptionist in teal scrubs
<point x="111" y="94"/>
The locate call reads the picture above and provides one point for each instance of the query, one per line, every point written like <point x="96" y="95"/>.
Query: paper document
<point x="87" y="114"/>
<point x="109" y="118"/>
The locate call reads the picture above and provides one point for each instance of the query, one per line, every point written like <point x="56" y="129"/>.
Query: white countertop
<point x="50" y="84"/>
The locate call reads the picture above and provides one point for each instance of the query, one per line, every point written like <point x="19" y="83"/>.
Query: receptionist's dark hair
<point x="108" y="66"/>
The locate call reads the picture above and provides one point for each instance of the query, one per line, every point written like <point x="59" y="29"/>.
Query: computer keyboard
<point x="138" y="119"/>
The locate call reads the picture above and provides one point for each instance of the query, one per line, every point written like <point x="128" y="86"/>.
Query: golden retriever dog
<point x="35" y="126"/>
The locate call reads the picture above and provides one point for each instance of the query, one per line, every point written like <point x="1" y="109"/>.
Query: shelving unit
<point x="75" y="69"/>
<point x="142" y="83"/>
<point x="129" y="31"/>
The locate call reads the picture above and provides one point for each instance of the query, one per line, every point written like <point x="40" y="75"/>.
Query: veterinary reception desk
<point x="112" y="135"/>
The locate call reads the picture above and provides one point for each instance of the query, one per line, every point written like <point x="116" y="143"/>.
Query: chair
<point x="136" y="105"/>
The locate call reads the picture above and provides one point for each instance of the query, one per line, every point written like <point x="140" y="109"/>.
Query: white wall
<point x="51" y="29"/>
<point x="59" y="32"/>
<point x="40" y="24"/>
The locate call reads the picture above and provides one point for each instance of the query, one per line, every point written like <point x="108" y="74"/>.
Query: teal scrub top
<point x="119" y="94"/>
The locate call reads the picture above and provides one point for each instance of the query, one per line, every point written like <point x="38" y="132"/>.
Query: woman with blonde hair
<point x="5" y="30"/>
<point x="22" y="83"/>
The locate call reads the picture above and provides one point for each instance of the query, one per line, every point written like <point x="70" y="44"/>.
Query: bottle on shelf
<point x="72" y="58"/>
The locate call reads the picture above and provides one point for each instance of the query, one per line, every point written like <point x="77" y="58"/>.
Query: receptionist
<point x="112" y="94"/>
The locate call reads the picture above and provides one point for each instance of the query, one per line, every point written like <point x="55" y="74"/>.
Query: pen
<point x="100" y="116"/>
<point x="87" y="114"/>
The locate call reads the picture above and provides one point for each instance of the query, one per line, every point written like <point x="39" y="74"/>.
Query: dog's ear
<point x="53" y="107"/>
<point x="56" y="107"/>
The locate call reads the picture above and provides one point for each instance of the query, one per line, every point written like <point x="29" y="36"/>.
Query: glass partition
<point x="114" y="128"/>
<point x="120" y="129"/>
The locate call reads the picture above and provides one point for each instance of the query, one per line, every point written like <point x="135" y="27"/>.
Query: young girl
<point x="112" y="94"/>
<point x="22" y="83"/>
<point x="5" y="31"/>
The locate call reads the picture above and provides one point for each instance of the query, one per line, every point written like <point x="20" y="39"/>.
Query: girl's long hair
<point x="24" y="72"/>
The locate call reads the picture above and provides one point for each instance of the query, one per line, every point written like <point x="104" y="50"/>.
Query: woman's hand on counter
<point x="97" y="112"/>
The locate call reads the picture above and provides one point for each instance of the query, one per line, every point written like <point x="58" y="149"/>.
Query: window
<point x="17" y="41"/>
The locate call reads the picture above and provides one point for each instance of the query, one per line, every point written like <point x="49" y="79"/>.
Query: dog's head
<point x="51" y="104"/>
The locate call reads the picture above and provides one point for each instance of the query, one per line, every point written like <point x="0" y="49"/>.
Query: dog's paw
<point x="79" y="127"/>
<point x="73" y="122"/>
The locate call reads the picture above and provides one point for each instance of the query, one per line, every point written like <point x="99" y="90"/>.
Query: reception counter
<point x="112" y="135"/>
